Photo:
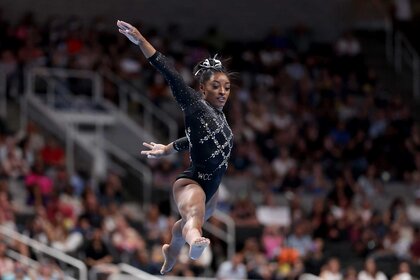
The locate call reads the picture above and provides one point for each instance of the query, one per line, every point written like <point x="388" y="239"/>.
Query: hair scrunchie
<point x="209" y="63"/>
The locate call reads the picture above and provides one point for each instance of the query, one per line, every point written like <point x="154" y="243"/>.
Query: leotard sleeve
<point x="182" y="144"/>
<point x="185" y="96"/>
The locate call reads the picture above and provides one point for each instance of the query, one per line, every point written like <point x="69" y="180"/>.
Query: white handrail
<point x="125" y="89"/>
<point x="44" y="72"/>
<point x="230" y="232"/>
<point x="29" y="262"/>
<point x="63" y="73"/>
<point x="54" y="253"/>
<point x="69" y="130"/>
<point x="48" y="74"/>
<point x="144" y="134"/>
<point x="131" y="270"/>
<point x="191" y="278"/>
<point x="22" y="259"/>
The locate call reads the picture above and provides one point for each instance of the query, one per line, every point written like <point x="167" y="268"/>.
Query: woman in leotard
<point x="209" y="140"/>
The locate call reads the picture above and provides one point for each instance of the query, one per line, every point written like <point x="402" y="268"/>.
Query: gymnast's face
<point x="216" y="90"/>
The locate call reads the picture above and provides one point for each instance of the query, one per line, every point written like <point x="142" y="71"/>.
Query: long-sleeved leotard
<point x="209" y="135"/>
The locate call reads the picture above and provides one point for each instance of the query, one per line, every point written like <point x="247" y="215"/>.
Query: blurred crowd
<point x="311" y="123"/>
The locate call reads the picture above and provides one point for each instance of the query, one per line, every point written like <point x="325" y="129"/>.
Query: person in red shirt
<point x="52" y="154"/>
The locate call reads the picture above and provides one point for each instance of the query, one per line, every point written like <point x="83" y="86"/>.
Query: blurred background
<point x="324" y="180"/>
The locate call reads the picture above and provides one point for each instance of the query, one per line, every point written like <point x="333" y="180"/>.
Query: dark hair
<point x="207" y="67"/>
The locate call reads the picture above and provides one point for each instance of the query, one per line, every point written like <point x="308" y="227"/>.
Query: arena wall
<point x="238" y="19"/>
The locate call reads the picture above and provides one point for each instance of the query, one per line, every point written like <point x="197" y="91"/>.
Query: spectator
<point x="141" y="260"/>
<point x="243" y="213"/>
<point x="402" y="14"/>
<point x="317" y="258"/>
<point x="348" y="45"/>
<point x="52" y="154"/>
<point x="155" y="224"/>
<point x="111" y="190"/>
<point x="126" y="239"/>
<point x="49" y="271"/>
<point x="403" y="272"/>
<point x="300" y="240"/>
<point x="351" y="273"/>
<point x="331" y="271"/>
<point x="415" y="247"/>
<point x="98" y="257"/>
<point x="413" y="209"/>
<point x="232" y="269"/>
<point x="370" y="272"/>
<point x="7" y="211"/>
<point x="39" y="185"/>
<point x="272" y="241"/>
<point x="21" y="273"/>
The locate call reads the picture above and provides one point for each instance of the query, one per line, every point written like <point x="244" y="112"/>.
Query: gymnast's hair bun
<point x="212" y="64"/>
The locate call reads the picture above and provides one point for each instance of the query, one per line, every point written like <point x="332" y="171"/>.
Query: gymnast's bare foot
<point x="198" y="246"/>
<point x="170" y="260"/>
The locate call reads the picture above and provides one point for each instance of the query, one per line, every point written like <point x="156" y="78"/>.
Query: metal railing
<point x="56" y="82"/>
<point x="51" y="252"/>
<point x="23" y="259"/>
<point x="57" y="90"/>
<point x="399" y="51"/>
<point x="29" y="262"/>
<point x="68" y="132"/>
<point x="151" y="116"/>
<point x="134" y="272"/>
<point x="228" y="235"/>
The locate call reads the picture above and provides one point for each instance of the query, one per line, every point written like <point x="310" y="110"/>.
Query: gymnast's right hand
<point x="156" y="150"/>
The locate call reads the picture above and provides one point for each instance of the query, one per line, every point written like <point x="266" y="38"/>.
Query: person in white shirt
<point x="371" y="272"/>
<point x="413" y="209"/>
<point x="404" y="272"/>
<point x="232" y="269"/>
<point x="331" y="270"/>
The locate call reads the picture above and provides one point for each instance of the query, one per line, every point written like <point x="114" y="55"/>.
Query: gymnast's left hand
<point x="132" y="33"/>
<point x="156" y="150"/>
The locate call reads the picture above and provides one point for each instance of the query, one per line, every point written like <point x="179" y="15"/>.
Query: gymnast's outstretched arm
<point x="184" y="95"/>
<point x="134" y="35"/>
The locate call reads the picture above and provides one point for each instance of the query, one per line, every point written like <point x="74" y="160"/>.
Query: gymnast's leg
<point x="171" y="251"/>
<point x="190" y="199"/>
<point x="179" y="234"/>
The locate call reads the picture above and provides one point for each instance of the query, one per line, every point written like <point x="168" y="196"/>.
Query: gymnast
<point x="209" y="140"/>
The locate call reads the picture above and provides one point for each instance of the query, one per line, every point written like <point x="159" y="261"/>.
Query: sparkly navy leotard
<point x="208" y="135"/>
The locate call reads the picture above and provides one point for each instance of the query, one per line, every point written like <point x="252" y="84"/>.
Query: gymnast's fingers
<point x="121" y="26"/>
<point x="125" y="25"/>
<point x="148" y="145"/>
